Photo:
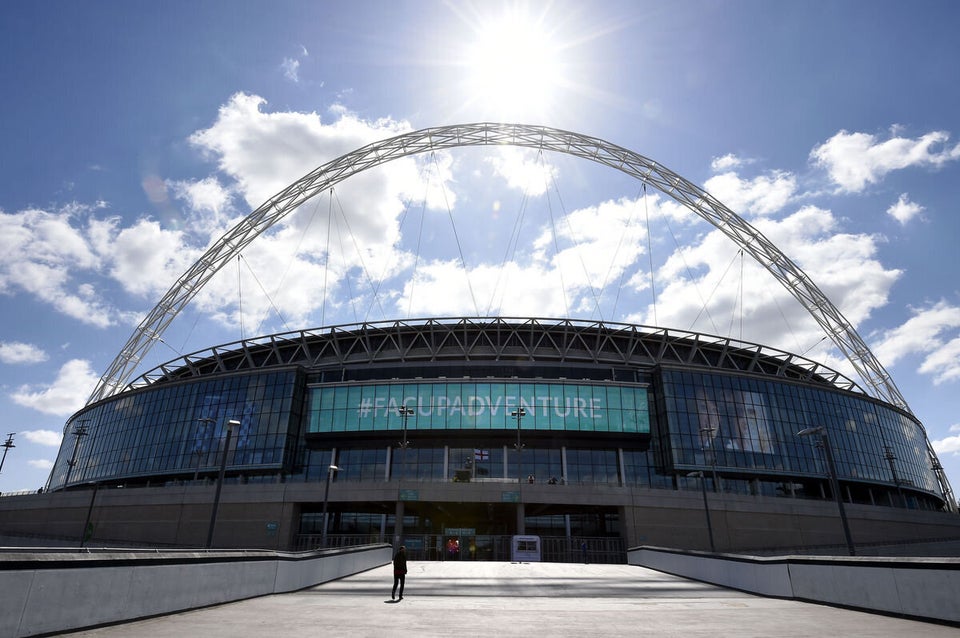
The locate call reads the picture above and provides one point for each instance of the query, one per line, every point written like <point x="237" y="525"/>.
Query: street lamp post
<point x="519" y="413"/>
<point x="6" y="448"/>
<point x="79" y="430"/>
<point x="892" y="460"/>
<point x="708" y="431"/>
<point x="834" y="483"/>
<point x="326" y="497"/>
<point x="404" y="413"/>
<point x="706" y="505"/>
<point x="223" y="468"/>
<point x="87" y="532"/>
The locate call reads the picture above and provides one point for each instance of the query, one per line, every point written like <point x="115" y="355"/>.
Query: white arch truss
<point x="878" y="380"/>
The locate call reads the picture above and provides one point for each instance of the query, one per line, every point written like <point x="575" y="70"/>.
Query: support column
<point x="521" y="525"/>
<point x="398" y="525"/>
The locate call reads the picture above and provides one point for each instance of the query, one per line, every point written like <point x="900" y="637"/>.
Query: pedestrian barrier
<point x="924" y="588"/>
<point x="55" y="591"/>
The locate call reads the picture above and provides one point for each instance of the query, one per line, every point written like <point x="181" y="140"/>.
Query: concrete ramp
<point x="525" y="599"/>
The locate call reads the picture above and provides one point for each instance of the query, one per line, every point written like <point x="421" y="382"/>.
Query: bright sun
<point x="513" y="67"/>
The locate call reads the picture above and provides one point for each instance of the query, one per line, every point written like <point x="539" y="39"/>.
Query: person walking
<point x="399" y="571"/>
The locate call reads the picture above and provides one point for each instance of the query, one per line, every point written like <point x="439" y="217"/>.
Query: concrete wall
<point x="48" y="592"/>
<point x="265" y="515"/>
<point x="745" y="523"/>
<point x="927" y="588"/>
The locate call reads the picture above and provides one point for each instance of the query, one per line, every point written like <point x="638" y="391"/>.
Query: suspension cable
<point x="738" y="300"/>
<point x="266" y="294"/>
<point x="240" y="299"/>
<point x="613" y="260"/>
<point x="456" y="237"/>
<point x="556" y="251"/>
<point x="509" y="252"/>
<point x="326" y="260"/>
<point x="714" y="291"/>
<point x="416" y="256"/>
<point x="375" y="290"/>
<point x="346" y="276"/>
<point x="741" y="295"/>
<point x="286" y="271"/>
<point x="579" y="251"/>
<point x="693" y="280"/>
<point x="653" y="279"/>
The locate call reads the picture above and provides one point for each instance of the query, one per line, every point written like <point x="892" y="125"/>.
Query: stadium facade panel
<point x="587" y="407"/>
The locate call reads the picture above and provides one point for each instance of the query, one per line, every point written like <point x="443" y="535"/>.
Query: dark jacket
<point x="400" y="562"/>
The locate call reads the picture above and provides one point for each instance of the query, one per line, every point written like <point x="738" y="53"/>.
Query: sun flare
<point x="513" y="66"/>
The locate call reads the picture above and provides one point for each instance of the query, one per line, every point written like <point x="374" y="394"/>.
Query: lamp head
<point x="808" y="431"/>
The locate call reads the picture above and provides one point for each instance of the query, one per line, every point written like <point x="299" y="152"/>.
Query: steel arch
<point x="879" y="382"/>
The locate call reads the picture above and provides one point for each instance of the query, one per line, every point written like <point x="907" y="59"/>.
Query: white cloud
<point x="43" y="437"/>
<point x="41" y="464"/>
<point x="903" y="210"/>
<point x="205" y="196"/>
<point x="947" y="445"/>
<point x="12" y="352"/>
<point x="707" y="274"/>
<point x="926" y="334"/>
<point x="64" y="258"/>
<point x="265" y="152"/>
<point x="301" y="261"/>
<point x="524" y="170"/>
<point x="856" y="160"/>
<point x="291" y="69"/>
<point x="596" y="246"/>
<point x="46" y="254"/>
<point x="726" y="163"/>
<point x="943" y="363"/>
<point x="146" y="259"/>
<point x="65" y="395"/>
<point x="761" y="195"/>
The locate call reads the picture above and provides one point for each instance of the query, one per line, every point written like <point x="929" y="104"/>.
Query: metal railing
<point x="495" y="547"/>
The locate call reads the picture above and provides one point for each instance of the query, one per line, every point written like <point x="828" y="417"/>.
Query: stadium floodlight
<point x="232" y="423"/>
<point x="518" y="414"/>
<point x="706" y="505"/>
<point x="6" y="448"/>
<point x="326" y="497"/>
<point x="834" y="483"/>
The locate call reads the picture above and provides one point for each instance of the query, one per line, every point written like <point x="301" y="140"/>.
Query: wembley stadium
<point x="458" y="435"/>
<point x="480" y="429"/>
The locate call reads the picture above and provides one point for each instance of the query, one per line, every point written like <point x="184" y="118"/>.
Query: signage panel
<point x="479" y="406"/>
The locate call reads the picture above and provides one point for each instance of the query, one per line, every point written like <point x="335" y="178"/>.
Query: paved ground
<point x="529" y="600"/>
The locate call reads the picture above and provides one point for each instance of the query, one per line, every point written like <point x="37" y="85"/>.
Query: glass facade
<point x="740" y="430"/>
<point x="750" y="426"/>
<point x="180" y="429"/>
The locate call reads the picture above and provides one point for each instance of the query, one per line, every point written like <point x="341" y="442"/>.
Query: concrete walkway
<point x="529" y="600"/>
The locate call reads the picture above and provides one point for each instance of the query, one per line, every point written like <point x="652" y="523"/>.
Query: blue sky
<point x="136" y="133"/>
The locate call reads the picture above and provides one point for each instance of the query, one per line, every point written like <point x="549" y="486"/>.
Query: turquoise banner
<point x="479" y="406"/>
